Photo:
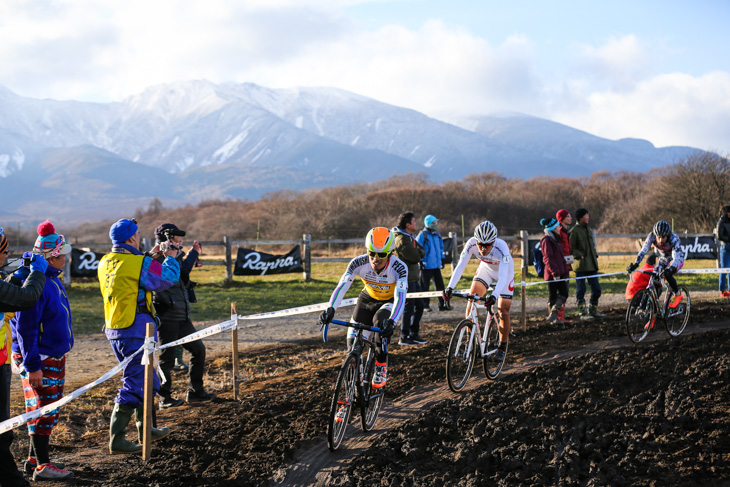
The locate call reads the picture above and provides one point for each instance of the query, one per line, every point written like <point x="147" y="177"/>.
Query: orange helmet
<point x="380" y="239"/>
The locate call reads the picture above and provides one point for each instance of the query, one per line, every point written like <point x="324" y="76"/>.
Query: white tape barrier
<point x="205" y="332"/>
<point x="20" y="420"/>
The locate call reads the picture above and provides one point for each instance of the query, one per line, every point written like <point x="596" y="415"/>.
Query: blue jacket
<point x="431" y="241"/>
<point x="44" y="328"/>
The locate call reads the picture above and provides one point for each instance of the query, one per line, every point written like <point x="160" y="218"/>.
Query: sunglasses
<point x="484" y="246"/>
<point x="379" y="255"/>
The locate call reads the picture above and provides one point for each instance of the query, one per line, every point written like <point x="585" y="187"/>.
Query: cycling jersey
<point x="389" y="284"/>
<point x="497" y="263"/>
<point x="671" y="250"/>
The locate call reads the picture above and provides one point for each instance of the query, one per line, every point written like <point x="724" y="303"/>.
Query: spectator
<point x="173" y="308"/>
<point x="639" y="280"/>
<point x="127" y="279"/>
<point x="13" y="298"/>
<point x="723" y="235"/>
<point x="584" y="250"/>
<point x="42" y="336"/>
<point x="566" y="220"/>
<point x="555" y="268"/>
<point x="430" y="239"/>
<point x="408" y="250"/>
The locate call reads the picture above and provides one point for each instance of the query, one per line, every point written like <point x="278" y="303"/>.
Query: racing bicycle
<point x="354" y="385"/>
<point x="467" y="340"/>
<point x="644" y="308"/>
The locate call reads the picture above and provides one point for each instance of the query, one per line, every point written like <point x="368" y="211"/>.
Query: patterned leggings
<point x="54" y="377"/>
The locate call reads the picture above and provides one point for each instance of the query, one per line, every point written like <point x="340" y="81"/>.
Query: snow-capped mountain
<point x="242" y="140"/>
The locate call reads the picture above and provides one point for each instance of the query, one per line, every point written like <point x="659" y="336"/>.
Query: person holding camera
<point x="173" y="308"/>
<point x="127" y="279"/>
<point x="14" y="298"/>
<point x="42" y="336"/>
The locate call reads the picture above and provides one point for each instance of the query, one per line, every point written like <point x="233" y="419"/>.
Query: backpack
<point x="537" y="260"/>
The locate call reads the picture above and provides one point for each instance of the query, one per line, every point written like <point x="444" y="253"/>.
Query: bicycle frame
<point x="474" y="317"/>
<point x="656" y="275"/>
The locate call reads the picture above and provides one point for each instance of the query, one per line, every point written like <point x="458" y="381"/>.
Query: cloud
<point x="618" y="64"/>
<point x="667" y="109"/>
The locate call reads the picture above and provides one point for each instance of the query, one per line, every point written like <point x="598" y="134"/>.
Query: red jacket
<point x="552" y="257"/>
<point x="638" y="280"/>
<point x="565" y="243"/>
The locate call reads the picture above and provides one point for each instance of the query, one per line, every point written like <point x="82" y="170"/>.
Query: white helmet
<point x="485" y="232"/>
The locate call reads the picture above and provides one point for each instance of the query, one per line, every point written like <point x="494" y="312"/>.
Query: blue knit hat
<point x="550" y="224"/>
<point x="123" y="230"/>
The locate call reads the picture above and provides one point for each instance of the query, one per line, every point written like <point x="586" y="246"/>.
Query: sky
<point x="656" y="70"/>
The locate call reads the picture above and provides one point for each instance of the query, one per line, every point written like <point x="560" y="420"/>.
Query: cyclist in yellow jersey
<point x="383" y="298"/>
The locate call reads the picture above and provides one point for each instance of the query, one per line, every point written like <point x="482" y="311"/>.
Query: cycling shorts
<point x="366" y="310"/>
<point x="487" y="275"/>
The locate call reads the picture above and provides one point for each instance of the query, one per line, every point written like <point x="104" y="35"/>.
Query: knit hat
<point x="580" y="213"/>
<point x="561" y="215"/>
<point x="3" y="242"/>
<point x="550" y="224"/>
<point x="49" y="243"/>
<point x="123" y="230"/>
<point x="430" y="222"/>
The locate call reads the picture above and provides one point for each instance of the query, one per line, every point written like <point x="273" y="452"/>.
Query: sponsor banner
<point x="699" y="247"/>
<point x="84" y="262"/>
<point x="252" y="263"/>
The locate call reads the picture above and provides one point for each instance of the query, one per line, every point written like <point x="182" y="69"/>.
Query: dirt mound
<point x="649" y="415"/>
<point x="604" y="417"/>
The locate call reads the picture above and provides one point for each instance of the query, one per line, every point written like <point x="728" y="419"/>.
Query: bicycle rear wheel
<point x="492" y="366"/>
<point x="373" y="398"/>
<point x="461" y="355"/>
<point x="342" y="401"/>
<point x="640" y="316"/>
<point x="677" y="317"/>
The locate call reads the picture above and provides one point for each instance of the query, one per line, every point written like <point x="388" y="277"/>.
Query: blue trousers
<point x="580" y="288"/>
<point x="724" y="262"/>
<point x="132" y="391"/>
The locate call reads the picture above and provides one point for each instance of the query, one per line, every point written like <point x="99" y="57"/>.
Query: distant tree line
<point x="690" y="193"/>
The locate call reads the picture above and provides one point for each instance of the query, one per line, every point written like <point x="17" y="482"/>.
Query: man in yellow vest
<point x="127" y="278"/>
<point x="13" y="298"/>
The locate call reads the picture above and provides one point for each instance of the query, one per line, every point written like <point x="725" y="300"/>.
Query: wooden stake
<point x="524" y="299"/>
<point x="234" y="346"/>
<point x="149" y="370"/>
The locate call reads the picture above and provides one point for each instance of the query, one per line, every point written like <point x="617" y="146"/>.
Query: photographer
<point x="14" y="298"/>
<point x="173" y="308"/>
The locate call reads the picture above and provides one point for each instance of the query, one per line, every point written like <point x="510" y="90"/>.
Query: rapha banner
<point x="699" y="247"/>
<point x="84" y="262"/>
<point x="252" y="263"/>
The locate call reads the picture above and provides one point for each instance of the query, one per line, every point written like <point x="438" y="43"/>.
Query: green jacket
<point x="584" y="248"/>
<point x="409" y="251"/>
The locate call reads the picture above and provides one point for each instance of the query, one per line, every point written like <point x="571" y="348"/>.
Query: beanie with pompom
<point x="49" y="243"/>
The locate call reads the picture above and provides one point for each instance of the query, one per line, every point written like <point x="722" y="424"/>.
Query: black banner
<point x="252" y="263"/>
<point x="448" y="243"/>
<point x="84" y="262"/>
<point x="699" y="247"/>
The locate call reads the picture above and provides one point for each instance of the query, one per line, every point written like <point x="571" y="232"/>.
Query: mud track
<point x="556" y="416"/>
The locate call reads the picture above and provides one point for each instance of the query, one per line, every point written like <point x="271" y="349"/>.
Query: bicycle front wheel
<point x="677" y="317"/>
<point x="460" y="358"/>
<point x="640" y="316"/>
<point x="492" y="366"/>
<point x="342" y="401"/>
<point x="373" y="398"/>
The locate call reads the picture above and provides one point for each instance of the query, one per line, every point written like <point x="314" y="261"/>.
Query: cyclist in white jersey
<point x="668" y="245"/>
<point x="496" y="265"/>
<point x="383" y="298"/>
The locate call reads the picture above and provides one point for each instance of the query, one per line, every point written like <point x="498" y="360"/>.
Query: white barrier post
<point x="149" y="369"/>
<point x="234" y="343"/>
<point x="524" y="239"/>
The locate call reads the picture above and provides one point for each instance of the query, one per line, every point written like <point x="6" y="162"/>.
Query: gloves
<point x="490" y="300"/>
<point x="39" y="263"/>
<point x="447" y="293"/>
<point x="22" y="273"/>
<point x="387" y="328"/>
<point x="327" y="316"/>
<point x="632" y="267"/>
<point x="670" y="271"/>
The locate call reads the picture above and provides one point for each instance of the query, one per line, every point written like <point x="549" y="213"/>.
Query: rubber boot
<point x="584" y="312"/>
<point x="121" y="415"/>
<point x="561" y="316"/>
<point x="157" y="434"/>
<point x="553" y="318"/>
<point x="593" y="312"/>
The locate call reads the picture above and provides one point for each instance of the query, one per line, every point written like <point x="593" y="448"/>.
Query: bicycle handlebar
<point x="357" y="326"/>
<point x="474" y="297"/>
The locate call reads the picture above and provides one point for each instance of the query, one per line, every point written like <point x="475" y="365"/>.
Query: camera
<point x="26" y="261"/>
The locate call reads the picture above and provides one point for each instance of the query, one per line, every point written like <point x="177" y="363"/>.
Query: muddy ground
<point x="654" y="414"/>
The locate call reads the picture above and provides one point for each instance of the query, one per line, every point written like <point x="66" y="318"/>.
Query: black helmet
<point x="662" y="228"/>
